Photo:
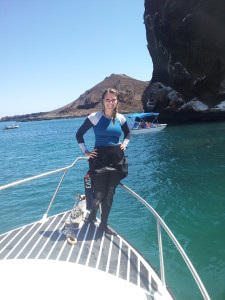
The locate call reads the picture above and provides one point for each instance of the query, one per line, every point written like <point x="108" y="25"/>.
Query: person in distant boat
<point x="136" y="125"/>
<point x="107" y="162"/>
<point x="142" y="124"/>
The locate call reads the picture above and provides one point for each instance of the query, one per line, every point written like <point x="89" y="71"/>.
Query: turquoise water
<point x="180" y="171"/>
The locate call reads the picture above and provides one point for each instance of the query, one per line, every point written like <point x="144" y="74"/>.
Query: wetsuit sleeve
<point x="126" y="132"/>
<point x="81" y="132"/>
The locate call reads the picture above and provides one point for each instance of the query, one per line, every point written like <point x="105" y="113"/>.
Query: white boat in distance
<point x="38" y="262"/>
<point x="145" y="123"/>
<point x="14" y="126"/>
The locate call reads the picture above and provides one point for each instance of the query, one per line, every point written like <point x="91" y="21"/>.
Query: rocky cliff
<point x="130" y="90"/>
<point x="186" y="42"/>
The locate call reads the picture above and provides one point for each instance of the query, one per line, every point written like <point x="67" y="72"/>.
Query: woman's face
<point x="110" y="101"/>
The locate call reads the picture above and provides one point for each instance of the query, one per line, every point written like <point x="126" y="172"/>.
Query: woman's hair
<point x="116" y="93"/>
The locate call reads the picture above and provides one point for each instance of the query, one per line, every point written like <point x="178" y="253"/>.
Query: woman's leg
<point x="100" y="189"/>
<point x="112" y="182"/>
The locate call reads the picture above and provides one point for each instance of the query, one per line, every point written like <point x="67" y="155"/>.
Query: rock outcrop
<point x="186" y="42"/>
<point x="130" y="90"/>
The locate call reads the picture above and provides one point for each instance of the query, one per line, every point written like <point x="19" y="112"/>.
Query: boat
<point x="145" y="123"/>
<point x="14" y="126"/>
<point x="36" y="260"/>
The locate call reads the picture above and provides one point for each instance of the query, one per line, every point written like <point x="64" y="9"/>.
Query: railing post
<point x="162" y="270"/>
<point x="44" y="218"/>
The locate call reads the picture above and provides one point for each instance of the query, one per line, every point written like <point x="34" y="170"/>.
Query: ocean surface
<point x="180" y="171"/>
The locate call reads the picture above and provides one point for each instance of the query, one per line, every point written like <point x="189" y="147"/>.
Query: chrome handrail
<point x="160" y="223"/>
<point x="65" y="169"/>
<point x="3" y="187"/>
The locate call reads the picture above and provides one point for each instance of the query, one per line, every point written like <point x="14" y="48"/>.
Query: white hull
<point x="158" y="127"/>
<point x="11" y="127"/>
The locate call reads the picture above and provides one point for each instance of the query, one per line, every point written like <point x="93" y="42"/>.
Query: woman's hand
<point x="123" y="147"/>
<point x="92" y="154"/>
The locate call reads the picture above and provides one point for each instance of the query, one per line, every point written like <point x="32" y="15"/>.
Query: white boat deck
<point x="37" y="262"/>
<point x="46" y="243"/>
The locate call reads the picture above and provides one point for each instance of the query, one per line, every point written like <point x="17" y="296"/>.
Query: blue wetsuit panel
<point x="107" y="134"/>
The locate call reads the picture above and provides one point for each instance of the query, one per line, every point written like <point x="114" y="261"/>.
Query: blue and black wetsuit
<point x="110" y="166"/>
<point x="106" y="134"/>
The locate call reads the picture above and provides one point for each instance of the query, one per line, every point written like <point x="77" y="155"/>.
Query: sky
<point x="52" y="51"/>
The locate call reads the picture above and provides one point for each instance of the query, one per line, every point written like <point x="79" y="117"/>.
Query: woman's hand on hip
<point x="92" y="154"/>
<point x="123" y="147"/>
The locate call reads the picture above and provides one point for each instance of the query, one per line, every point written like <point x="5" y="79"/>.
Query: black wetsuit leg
<point x="113" y="179"/>
<point x="100" y="190"/>
<point x="104" y="190"/>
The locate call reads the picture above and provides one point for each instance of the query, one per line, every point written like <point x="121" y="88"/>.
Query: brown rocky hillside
<point x="130" y="90"/>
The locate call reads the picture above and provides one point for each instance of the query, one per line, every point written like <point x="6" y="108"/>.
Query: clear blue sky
<point x="52" y="51"/>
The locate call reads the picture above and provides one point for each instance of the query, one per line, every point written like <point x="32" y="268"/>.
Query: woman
<point x="107" y="162"/>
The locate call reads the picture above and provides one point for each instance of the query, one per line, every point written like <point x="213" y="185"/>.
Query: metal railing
<point x="65" y="169"/>
<point x="159" y="220"/>
<point x="160" y="223"/>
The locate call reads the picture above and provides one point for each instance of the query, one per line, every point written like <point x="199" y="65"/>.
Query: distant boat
<point x="14" y="126"/>
<point x="145" y="123"/>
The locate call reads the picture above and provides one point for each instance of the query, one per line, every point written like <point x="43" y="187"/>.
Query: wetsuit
<point x="110" y="166"/>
